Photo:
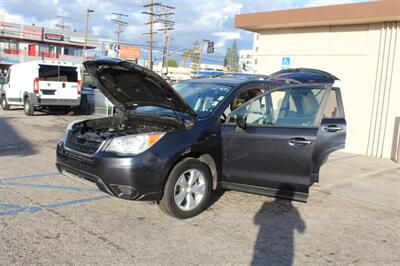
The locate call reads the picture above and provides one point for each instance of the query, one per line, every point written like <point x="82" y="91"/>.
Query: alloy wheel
<point x="190" y="190"/>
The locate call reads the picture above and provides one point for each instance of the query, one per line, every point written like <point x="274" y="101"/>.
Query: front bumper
<point x="135" y="178"/>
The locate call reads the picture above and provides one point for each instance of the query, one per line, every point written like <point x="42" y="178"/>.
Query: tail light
<point x="36" y="85"/>
<point x="79" y="87"/>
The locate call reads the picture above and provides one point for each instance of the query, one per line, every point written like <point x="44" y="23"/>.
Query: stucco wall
<point x="366" y="58"/>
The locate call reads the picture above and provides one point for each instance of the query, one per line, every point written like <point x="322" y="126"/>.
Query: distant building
<point x="246" y="61"/>
<point x="21" y="43"/>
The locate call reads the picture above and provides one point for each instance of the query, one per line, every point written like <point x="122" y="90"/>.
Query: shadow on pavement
<point x="11" y="143"/>
<point x="278" y="221"/>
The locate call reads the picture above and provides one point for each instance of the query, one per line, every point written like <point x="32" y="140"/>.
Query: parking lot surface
<point x="352" y="216"/>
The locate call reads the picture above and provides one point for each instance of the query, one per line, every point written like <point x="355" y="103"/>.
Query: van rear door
<point x="69" y="83"/>
<point x="48" y="83"/>
<point x="58" y="83"/>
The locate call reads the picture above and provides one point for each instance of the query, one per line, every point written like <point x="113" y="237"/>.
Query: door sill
<point x="272" y="192"/>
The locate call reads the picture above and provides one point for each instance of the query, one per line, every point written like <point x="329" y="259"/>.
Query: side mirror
<point x="2" y="80"/>
<point x="241" y="121"/>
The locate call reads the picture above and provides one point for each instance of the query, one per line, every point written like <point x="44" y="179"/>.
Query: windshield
<point x="203" y="98"/>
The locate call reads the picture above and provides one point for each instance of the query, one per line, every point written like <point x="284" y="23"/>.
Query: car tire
<point x="4" y="103"/>
<point x="187" y="190"/>
<point x="28" y="107"/>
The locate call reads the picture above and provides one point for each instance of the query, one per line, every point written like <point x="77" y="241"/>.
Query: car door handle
<point x="332" y="128"/>
<point x="299" y="142"/>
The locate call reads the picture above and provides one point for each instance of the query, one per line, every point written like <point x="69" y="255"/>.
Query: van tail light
<point x="36" y="85"/>
<point x="79" y="87"/>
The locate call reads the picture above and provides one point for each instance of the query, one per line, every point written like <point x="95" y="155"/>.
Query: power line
<point x="61" y="25"/>
<point x="157" y="17"/>
<point x="168" y="25"/>
<point x="120" y="27"/>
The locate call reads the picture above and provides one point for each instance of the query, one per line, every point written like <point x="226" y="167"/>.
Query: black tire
<point x="28" y="107"/>
<point x="168" y="204"/>
<point x="4" y="104"/>
<point x="70" y="111"/>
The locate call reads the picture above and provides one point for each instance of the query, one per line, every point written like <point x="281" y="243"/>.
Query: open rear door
<point x="332" y="132"/>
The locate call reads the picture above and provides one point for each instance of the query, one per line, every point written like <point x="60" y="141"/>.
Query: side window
<point x="240" y="111"/>
<point x="332" y="107"/>
<point x="8" y="76"/>
<point x="257" y="113"/>
<point x="242" y="98"/>
<point x="296" y="106"/>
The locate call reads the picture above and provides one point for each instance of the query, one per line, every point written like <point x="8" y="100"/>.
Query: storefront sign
<point x="76" y="39"/>
<point x="53" y="37"/>
<point x="32" y="33"/>
<point x="20" y="31"/>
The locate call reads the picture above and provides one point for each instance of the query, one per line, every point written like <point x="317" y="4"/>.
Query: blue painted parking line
<point x="15" y="209"/>
<point x="10" y="206"/>
<point x="50" y="187"/>
<point x="2" y="179"/>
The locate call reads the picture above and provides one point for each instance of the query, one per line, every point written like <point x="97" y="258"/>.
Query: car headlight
<point x="133" y="144"/>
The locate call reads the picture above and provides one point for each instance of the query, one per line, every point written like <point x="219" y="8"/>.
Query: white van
<point x="41" y="84"/>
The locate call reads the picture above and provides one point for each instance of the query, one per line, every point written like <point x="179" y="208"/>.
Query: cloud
<point x="225" y="36"/>
<point x="195" y="19"/>
<point x="15" y="18"/>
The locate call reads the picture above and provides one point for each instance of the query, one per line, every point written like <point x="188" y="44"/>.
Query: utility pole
<point x="156" y="17"/>
<point x="120" y="27"/>
<point x="150" y="22"/>
<point x="168" y="25"/>
<point x="61" y="24"/>
<point x="88" y="11"/>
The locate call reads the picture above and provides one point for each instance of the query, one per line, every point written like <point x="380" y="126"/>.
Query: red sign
<point x="32" y="33"/>
<point x="53" y="37"/>
<point x="129" y="52"/>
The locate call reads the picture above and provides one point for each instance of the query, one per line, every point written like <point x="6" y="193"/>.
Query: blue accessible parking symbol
<point x="286" y="62"/>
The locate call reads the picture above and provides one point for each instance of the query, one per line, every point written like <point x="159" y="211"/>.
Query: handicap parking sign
<point x="285" y="62"/>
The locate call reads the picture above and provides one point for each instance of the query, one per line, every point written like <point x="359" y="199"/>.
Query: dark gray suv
<point x="175" y="145"/>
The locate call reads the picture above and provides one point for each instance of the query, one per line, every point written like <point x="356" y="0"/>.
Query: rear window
<point x="68" y="74"/>
<point x="56" y="73"/>
<point x="48" y="73"/>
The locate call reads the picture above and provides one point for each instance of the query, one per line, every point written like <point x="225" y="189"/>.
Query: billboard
<point x="129" y="52"/>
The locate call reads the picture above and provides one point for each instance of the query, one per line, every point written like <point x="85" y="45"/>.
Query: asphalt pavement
<point x="352" y="216"/>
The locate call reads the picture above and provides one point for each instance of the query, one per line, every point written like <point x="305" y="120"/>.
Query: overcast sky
<point x="195" y="19"/>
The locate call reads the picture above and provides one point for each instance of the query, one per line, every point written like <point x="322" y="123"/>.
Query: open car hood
<point x="128" y="85"/>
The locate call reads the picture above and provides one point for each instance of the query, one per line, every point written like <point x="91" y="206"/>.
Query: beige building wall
<point x="366" y="59"/>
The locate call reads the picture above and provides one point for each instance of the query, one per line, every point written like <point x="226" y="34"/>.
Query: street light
<point x="86" y="31"/>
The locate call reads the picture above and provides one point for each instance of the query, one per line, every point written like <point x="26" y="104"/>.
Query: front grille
<point x="81" y="144"/>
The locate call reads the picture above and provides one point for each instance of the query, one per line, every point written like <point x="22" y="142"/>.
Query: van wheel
<point x="187" y="190"/>
<point x="4" y="104"/>
<point x="28" y="108"/>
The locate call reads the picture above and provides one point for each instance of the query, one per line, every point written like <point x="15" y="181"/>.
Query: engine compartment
<point x="87" y="136"/>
